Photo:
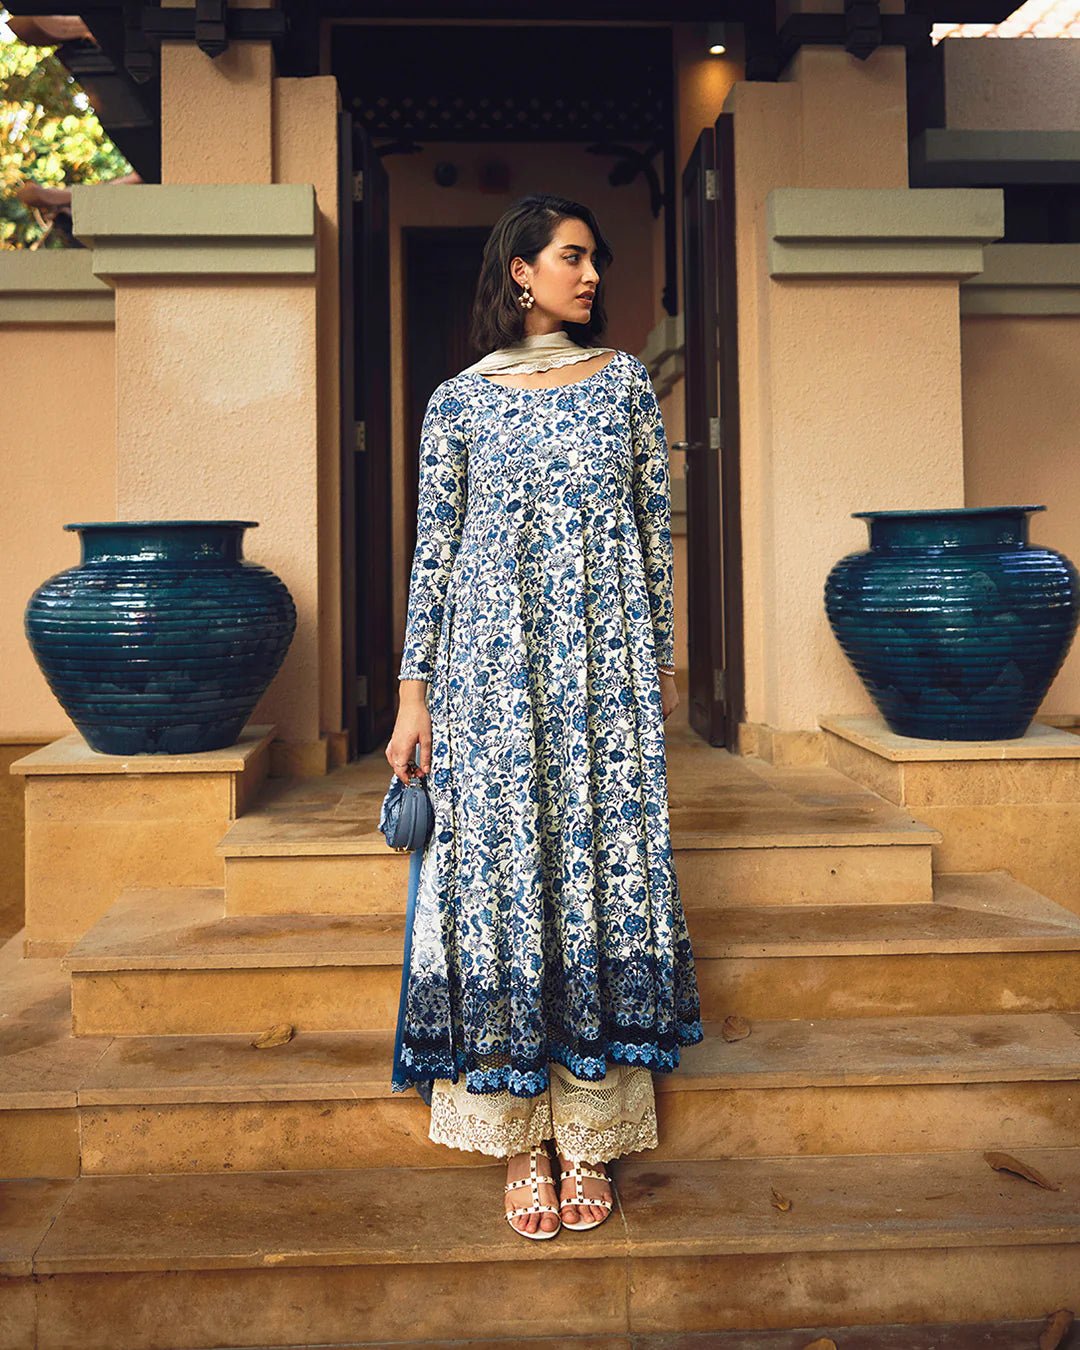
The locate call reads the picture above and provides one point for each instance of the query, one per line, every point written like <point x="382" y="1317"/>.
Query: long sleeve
<point x="440" y="516"/>
<point x="652" y="509"/>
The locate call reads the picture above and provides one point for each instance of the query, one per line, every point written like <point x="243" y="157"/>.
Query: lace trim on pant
<point x="486" y="1130"/>
<point x="574" y="1141"/>
<point x="603" y="1120"/>
<point x="597" y="1121"/>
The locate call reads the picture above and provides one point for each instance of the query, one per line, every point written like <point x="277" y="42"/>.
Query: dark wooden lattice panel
<point x="461" y="82"/>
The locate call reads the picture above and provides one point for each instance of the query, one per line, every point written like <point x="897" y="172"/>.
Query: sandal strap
<point x="513" y="1185"/>
<point x="533" y="1181"/>
<point x="577" y="1172"/>
<point x="584" y="1172"/>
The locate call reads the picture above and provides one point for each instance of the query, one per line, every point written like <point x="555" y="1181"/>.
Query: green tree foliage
<point x="49" y="134"/>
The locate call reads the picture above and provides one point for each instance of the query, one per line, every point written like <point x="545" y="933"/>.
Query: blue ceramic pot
<point x="163" y="639"/>
<point x="955" y="622"/>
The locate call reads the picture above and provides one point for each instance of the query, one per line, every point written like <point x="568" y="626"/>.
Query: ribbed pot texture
<point x="163" y="638"/>
<point x="954" y="621"/>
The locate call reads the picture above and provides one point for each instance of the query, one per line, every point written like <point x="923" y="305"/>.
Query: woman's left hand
<point x="669" y="695"/>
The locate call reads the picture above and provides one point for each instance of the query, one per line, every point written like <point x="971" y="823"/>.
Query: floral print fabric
<point x="548" y="922"/>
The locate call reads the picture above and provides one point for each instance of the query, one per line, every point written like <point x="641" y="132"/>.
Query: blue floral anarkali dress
<point x="547" y="922"/>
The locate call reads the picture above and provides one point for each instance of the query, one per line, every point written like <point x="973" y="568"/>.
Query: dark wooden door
<point x="713" y="551"/>
<point x="441" y="269"/>
<point x="370" y="679"/>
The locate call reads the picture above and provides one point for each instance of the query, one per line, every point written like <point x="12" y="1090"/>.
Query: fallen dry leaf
<point x="822" y="1343"/>
<point x="276" y="1035"/>
<point x="1055" y="1329"/>
<point x="735" y="1028"/>
<point x="780" y="1202"/>
<point x="1005" y="1162"/>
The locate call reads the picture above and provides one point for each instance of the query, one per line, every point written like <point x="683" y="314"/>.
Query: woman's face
<point x="563" y="273"/>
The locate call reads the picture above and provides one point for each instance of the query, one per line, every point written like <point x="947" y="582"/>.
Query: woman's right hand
<point x="413" y="726"/>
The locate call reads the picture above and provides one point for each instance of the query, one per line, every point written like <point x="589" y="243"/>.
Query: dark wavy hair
<point x="523" y="231"/>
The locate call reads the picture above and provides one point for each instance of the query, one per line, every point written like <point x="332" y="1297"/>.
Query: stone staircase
<point x="170" y="1185"/>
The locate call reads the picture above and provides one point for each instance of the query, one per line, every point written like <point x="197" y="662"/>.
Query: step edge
<point x="351" y="1090"/>
<point x="1011" y="1236"/>
<point x="1015" y="1231"/>
<point x="357" y="959"/>
<point x="681" y="841"/>
<point x="968" y="1066"/>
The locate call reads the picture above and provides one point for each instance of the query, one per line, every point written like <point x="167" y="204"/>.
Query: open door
<point x="370" y="683"/>
<point x="713" y="529"/>
<point x="443" y="261"/>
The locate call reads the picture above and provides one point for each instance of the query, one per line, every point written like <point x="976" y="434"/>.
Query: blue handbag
<point x="407" y="816"/>
<point x="407" y="819"/>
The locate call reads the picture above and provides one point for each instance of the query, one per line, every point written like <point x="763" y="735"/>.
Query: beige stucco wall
<point x="997" y="84"/>
<point x="59" y="456"/>
<point x="228" y="392"/>
<point x="216" y="419"/>
<point x="306" y="151"/>
<point x="849" y="388"/>
<point x="59" y="461"/>
<point x="281" y="131"/>
<point x="895" y="445"/>
<point x="1021" y="389"/>
<point x="217" y="113"/>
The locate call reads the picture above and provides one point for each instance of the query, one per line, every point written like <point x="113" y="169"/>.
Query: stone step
<point x="171" y="962"/>
<point x="401" y="1253"/>
<point x="928" y="1336"/>
<point x="752" y="834"/>
<point x="725" y="871"/>
<point x="323" y="1100"/>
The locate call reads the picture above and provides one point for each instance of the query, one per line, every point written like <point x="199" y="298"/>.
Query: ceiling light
<point x="716" y="38"/>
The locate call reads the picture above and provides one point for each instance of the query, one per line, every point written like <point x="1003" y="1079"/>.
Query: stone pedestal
<point x="96" y="824"/>
<point x="1012" y="805"/>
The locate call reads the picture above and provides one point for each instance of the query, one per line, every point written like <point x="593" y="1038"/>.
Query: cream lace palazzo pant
<point x="595" y="1121"/>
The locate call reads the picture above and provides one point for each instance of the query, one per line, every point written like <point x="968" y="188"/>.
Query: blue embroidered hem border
<point x="420" y="1069"/>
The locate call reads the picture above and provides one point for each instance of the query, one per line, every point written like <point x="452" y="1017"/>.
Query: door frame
<point x="711" y="374"/>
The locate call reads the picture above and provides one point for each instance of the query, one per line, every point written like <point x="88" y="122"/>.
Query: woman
<point x="548" y="967"/>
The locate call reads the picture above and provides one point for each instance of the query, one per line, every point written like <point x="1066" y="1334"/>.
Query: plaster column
<point x="1021" y="335"/>
<point x="849" y="359"/>
<point x="224" y="407"/>
<point x="217" y="113"/>
<point x="216" y="381"/>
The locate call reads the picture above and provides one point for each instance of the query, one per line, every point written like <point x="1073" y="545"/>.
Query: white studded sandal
<point x="536" y="1207"/>
<point x="580" y="1198"/>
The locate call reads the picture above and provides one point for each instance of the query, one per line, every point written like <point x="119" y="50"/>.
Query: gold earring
<point x="526" y="299"/>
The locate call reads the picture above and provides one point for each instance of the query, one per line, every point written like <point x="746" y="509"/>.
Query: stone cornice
<point x="955" y="156"/>
<point x="54" y="286"/>
<point x="197" y="229"/>
<point x="1025" y="279"/>
<point x="881" y="232"/>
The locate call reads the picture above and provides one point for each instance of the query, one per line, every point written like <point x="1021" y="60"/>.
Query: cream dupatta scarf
<point x="541" y="351"/>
